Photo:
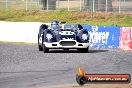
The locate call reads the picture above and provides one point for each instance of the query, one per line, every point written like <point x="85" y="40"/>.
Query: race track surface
<point x="23" y="66"/>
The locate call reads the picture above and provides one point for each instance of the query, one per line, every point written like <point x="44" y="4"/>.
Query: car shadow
<point x="75" y="51"/>
<point x="63" y="51"/>
<point x="35" y="71"/>
<point x="97" y="51"/>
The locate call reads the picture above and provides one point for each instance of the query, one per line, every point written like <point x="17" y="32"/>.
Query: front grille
<point x="67" y="43"/>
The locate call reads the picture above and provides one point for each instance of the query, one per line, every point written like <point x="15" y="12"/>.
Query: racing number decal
<point x="66" y="33"/>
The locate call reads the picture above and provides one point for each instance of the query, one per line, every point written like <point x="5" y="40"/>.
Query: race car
<point x="63" y="36"/>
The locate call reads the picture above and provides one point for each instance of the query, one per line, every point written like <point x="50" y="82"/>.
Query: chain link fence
<point x="120" y="6"/>
<point x="21" y="4"/>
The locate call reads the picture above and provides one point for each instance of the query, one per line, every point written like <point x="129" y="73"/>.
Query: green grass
<point x="70" y="17"/>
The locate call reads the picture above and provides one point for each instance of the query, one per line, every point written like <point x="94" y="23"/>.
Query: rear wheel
<point x="45" y="49"/>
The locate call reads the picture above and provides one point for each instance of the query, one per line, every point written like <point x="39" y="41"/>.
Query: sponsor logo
<point x="83" y="78"/>
<point x="98" y="37"/>
<point x="63" y="37"/>
<point x="66" y="33"/>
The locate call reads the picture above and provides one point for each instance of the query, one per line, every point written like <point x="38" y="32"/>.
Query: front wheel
<point x="39" y="46"/>
<point x="45" y="49"/>
<point x="83" y="50"/>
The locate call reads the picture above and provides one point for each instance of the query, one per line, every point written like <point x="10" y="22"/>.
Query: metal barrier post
<point x="47" y="5"/>
<point x="93" y="6"/>
<point x="80" y="5"/>
<point x="68" y="5"/>
<point x="106" y="6"/>
<point x="26" y="4"/>
<point x="119" y="2"/>
<point x="6" y="3"/>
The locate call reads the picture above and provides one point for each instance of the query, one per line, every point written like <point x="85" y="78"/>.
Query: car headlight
<point x="84" y="36"/>
<point x="49" y="36"/>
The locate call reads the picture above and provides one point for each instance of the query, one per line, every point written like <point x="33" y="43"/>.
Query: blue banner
<point x="103" y="36"/>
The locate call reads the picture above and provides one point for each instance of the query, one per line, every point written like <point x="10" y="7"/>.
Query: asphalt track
<point x="23" y="66"/>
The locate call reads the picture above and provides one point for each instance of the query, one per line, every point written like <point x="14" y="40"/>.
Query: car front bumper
<point x="70" y="44"/>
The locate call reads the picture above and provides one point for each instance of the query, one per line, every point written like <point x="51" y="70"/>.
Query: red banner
<point x="126" y="38"/>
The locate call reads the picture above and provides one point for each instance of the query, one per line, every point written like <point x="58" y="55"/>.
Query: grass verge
<point x="99" y="19"/>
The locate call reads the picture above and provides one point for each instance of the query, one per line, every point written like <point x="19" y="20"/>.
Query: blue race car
<point x="63" y="36"/>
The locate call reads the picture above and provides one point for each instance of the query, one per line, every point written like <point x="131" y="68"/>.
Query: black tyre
<point x="45" y="49"/>
<point x="83" y="50"/>
<point x="81" y="80"/>
<point x="39" y="46"/>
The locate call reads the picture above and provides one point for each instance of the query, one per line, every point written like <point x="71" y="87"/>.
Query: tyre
<point x="45" y="49"/>
<point x="39" y="46"/>
<point x="83" y="50"/>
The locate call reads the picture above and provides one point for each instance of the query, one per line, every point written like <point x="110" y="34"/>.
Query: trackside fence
<point x="120" y="6"/>
<point x="100" y="36"/>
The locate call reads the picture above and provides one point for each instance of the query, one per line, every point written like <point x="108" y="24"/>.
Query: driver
<point x="55" y="25"/>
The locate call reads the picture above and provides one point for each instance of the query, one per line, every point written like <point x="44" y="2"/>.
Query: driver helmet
<point x="55" y="24"/>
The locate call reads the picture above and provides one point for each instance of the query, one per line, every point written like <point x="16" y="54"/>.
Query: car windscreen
<point x="70" y="27"/>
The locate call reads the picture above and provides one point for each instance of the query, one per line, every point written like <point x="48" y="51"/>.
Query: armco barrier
<point x="126" y="38"/>
<point x="19" y="31"/>
<point x="103" y="36"/>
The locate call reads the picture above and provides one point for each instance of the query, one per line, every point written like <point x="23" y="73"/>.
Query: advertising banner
<point x="103" y="36"/>
<point x="126" y="38"/>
